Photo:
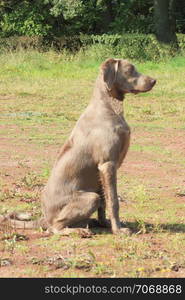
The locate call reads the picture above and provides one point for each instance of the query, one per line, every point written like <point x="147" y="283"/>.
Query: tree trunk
<point x="110" y="13"/>
<point x="165" y="23"/>
<point x="94" y="25"/>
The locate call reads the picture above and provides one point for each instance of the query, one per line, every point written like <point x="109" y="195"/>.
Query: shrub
<point x="132" y="46"/>
<point x="21" y="42"/>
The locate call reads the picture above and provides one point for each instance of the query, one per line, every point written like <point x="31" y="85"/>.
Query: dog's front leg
<point x="108" y="176"/>
<point x="108" y="179"/>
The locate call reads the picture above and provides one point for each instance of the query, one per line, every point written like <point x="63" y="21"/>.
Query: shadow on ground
<point x="148" y="227"/>
<point x="144" y="227"/>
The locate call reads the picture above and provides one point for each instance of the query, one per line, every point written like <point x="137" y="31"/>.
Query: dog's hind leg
<point x="80" y="207"/>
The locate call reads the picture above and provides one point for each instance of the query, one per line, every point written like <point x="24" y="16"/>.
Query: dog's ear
<point x="110" y="68"/>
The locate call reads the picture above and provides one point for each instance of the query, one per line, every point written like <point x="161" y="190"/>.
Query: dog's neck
<point x="117" y="106"/>
<point x="111" y="98"/>
<point x="116" y="100"/>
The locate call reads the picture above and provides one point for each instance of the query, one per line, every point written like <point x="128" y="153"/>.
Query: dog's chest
<point x="122" y="130"/>
<point x="121" y="127"/>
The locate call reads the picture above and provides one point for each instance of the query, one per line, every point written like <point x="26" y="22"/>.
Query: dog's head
<point x="121" y="77"/>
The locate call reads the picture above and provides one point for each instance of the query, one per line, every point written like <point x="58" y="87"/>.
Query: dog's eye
<point x="129" y="70"/>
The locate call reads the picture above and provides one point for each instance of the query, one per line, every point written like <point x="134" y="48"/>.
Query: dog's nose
<point x="153" y="82"/>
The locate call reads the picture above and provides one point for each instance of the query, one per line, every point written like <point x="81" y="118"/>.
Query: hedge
<point x="134" y="46"/>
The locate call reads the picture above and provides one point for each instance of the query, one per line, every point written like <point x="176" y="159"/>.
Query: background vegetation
<point x="69" y="17"/>
<point x="74" y="24"/>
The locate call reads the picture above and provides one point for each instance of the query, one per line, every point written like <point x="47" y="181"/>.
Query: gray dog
<point x="83" y="179"/>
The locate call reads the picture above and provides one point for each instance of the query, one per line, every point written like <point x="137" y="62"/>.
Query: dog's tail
<point x="17" y="220"/>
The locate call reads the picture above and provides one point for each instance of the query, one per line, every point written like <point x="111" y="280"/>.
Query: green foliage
<point x="68" y="8"/>
<point x="181" y="41"/>
<point x="71" y="17"/>
<point x="141" y="47"/>
<point x="133" y="16"/>
<point x="98" y="28"/>
<point x="24" y="18"/>
<point x="21" y="42"/>
<point x="133" y="46"/>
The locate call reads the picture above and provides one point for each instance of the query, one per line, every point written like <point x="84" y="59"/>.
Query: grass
<point x="41" y="97"/>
